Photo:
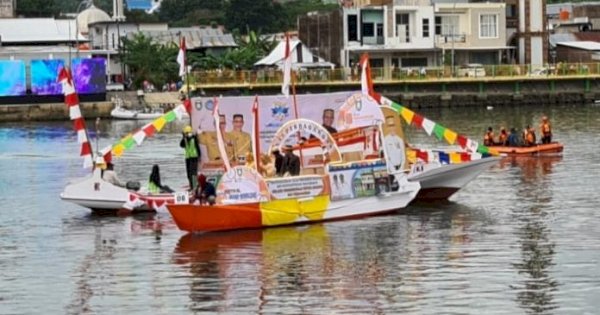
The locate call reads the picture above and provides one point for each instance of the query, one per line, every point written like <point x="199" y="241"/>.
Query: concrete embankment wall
<point x="412" y="93"/>
<point x="52" y="111"/>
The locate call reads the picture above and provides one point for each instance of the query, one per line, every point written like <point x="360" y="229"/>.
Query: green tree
<point x="37" y="8"/>
<point x="243" y="15"/>
<point x="191" y="12"/>
<point x="148" y="60"/>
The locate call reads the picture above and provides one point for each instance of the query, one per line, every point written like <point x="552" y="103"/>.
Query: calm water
<point x="524" y="237"/>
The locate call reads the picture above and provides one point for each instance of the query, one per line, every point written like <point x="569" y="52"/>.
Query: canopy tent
<point x="301" y="57"/>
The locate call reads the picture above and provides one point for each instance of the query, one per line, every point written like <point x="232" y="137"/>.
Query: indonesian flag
<point x="366" y="83"/>
<point x="72" y="102"/>
<point x="181" y="57"/>
<point x="287" y="68"/>
<point x="220" y="141"/>
<point x="255" y="134"/>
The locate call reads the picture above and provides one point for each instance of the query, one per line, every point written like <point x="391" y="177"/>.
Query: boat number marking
<point x="182" y="198"/>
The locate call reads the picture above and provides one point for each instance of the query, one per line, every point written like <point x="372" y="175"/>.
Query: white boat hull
<point x="98" y="195"/>
<point x="442" y="181"/>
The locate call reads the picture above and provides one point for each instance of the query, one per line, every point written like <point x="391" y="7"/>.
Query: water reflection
<point x="377" y="265"/>
<point x="535" y="292"/>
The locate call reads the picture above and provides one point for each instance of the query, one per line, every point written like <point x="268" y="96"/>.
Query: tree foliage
<point x="149" y="60"/>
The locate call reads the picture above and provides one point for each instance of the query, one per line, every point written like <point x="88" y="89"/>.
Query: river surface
<point x="524" y="237"/>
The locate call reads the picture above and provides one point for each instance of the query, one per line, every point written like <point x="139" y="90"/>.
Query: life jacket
<point x="530" y="137"/>
<point x="488" y="138"/>
<point x="190" y="148"/>
<point x="153" y="188"/>
<point x="546" y="130"/>
<point x="502" y="138"/>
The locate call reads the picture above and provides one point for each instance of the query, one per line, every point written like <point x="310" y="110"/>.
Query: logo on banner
<point x="210" y="105"/>
<point x="198" y="105"/>
<point x="280" y="111"/>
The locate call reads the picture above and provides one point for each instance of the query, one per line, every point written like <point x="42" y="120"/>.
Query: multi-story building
<point x="425" y="33"/>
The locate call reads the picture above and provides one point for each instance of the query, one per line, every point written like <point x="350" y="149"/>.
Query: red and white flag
<point x="72" y="101"/>
<point x="181" y="57"/>
<point x="366" y="83"/>
<point x="220" y="139"/>
<point x="287" y="68"/>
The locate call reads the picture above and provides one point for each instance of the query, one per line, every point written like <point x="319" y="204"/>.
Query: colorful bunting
<point x="417" y="120"/>
<point x="407" y="115"/>
<point x="450" y="136"/>
<point x="428" y="126"/>
<point x="439" y="130"/>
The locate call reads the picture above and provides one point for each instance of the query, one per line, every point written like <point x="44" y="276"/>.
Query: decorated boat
<point x="103" y="197"/>
<point x="335" y="181"/>
<point x="553" y="148"/>
<point x="92" y="191"/>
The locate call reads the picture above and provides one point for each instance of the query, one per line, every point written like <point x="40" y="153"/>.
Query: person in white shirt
<point x="394" y="146"/>
<point x="110" y="176"/>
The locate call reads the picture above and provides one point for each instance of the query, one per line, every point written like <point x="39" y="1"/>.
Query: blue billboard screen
<point x="89" y="75"/>
<point x="12" y="78"/>
<point x="44" y="74"/>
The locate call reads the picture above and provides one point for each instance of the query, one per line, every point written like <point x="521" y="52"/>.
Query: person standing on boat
<point x="242" y="142"/>
<point x="290" y="163"/>
<point x="278" y="161"/>
<point x="546" y="130"/>
<point x="189" y="143"/>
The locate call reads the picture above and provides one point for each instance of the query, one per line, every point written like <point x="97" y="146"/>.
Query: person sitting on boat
<point x="529" y="136"/>
<point x="513" y="138"/>
<point x="488" y="138"/>
<point x="205" y="192"/>
<point x="291" y="163"/>
<point x="189" y="143"/>
<point x="546" y="130"/>
<point x="154" y="184"/>
<point x="503" y="137"/>
<point x="278" y="160"/>
<point x="109" y="175"/>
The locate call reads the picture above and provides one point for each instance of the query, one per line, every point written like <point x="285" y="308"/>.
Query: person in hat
<point x="546" y="130"/>
<point x="189" y="143"/>
<point x="290" y="163"/>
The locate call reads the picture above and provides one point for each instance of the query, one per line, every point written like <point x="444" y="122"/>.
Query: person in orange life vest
<point x="546" y="130"/>
<point x="503" y="137"/>
<point x="488" y="138"/>
<point x="530" y="136"/>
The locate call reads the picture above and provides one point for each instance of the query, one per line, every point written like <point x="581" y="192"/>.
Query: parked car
<point x="471" y="70"/>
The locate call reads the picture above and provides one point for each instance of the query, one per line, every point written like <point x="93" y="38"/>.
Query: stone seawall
<point x="52" y="111"/>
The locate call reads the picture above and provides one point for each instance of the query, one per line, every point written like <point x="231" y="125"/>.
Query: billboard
<point x="12" y="78"/>
<point x="44" y="75"/>
<point x="89" y="75"/>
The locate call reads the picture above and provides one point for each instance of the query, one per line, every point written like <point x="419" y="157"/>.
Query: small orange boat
<point x="540" y="149"/>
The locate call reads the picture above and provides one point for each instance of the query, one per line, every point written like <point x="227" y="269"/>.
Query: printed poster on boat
<point x="274" y="111"/>
<point x="241" y="185"/>
<point x="297" y="187"/>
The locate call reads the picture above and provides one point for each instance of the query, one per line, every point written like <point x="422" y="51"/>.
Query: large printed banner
<point x="241" y="185"/>
<point x="352" y="109"/>
<point x="297" y="187"/>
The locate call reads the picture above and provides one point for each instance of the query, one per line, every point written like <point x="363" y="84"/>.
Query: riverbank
<point x="514" y="91"/>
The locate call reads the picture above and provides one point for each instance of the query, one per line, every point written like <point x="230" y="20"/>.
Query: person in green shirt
<point x="189" y="143"/>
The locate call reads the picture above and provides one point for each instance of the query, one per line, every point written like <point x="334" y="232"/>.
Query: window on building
<point x="447" y="25"/>
<point x="352" y="27"/>
<point x="425" y="28"/>
<point x="414" y="62"/>
<point x="403" y="26"/>
<point x="368" y="30"/>
<point x="511" y="10"/>
<point x="488" y="26"/>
